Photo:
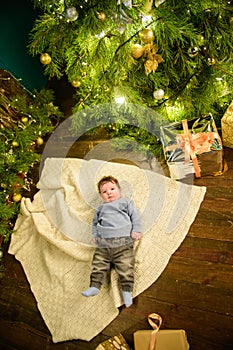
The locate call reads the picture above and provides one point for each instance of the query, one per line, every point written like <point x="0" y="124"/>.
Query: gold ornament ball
<point x="45" y="58"/>
<point x="76" y="83"/>
<point x="24" y="120"/>
<point x="211" y="61"/>
<point x="101" y="16"/>
<point x="137" y="50"/>
<point x="15" y="144"/>
<point x="17" y="197"/>
<point x="39" y="141"/>
<point x="146" y="35"/>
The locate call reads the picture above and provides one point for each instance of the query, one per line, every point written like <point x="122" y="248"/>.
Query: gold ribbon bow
<point x="151" y="319"/>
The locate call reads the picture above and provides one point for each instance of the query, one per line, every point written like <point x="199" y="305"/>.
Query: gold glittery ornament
<point x="76" y="83"/>
<point x="24" y="120"/>
<point x="211" y="61"/>
<point x="17" y="197"/>
<point x="39" y="141"/>
<point x="101" y="16"/>
<point x="137" y="50"/>
<point x="45" y="58"/>
<point x="146" y="35"/>
<point x="15" y="144"/>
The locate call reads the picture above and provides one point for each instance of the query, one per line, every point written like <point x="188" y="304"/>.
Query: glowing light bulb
<point x="120" y="99"/>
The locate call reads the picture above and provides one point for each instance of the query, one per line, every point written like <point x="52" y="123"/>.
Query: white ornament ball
<point x="71" y="14"/>
<point x="158" y="94"/>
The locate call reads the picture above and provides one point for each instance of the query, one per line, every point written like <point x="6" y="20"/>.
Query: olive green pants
<point x="121" y="257"/>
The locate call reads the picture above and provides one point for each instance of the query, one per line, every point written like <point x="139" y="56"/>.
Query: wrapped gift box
<point x="165" y="340"/>
<point x="192" y="146"/>
<point x="115" y="343"/>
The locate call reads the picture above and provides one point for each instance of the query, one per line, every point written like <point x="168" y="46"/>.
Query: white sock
<point x="127" y="298"/>
<point x="90" y="292"/>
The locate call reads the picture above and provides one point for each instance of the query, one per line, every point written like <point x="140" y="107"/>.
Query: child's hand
<point x="136" y="236"/>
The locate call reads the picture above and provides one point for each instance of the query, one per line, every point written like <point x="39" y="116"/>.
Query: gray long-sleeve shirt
<point x="116" y="219"/>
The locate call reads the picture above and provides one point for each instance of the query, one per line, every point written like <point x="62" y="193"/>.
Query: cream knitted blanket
<point x="53" y="239"/>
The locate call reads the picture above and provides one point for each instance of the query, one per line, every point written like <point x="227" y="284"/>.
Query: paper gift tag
<point x="165" y="340"/>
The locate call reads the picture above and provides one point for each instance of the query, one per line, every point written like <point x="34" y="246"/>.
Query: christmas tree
<point x="172" y="56"/>
<point x="25" y="120"/>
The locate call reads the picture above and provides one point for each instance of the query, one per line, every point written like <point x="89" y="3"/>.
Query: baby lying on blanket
<point x="116" y="224"/>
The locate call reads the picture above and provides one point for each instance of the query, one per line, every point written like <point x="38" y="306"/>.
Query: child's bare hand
<point x="136" y="236"/>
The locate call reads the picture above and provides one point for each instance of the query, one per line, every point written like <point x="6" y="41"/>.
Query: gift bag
<point x="227" y="127"/>
<point x="160" y="339"/>
<point x="117" y="342"/>
<point x="192" y="147"/>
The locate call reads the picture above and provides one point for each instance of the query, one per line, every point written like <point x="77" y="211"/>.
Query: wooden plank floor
<point x="195" y="292"/>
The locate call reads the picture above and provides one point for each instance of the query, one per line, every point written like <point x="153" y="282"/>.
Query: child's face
<point x="110" y="192"/>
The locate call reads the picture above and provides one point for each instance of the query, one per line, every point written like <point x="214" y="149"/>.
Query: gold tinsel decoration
<point x="152" y="58"/>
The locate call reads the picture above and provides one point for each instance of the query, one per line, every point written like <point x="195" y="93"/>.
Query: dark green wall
<point x="16" y="20"/>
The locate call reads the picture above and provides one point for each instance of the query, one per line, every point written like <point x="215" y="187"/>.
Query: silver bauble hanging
<point x="71" y="14"/>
